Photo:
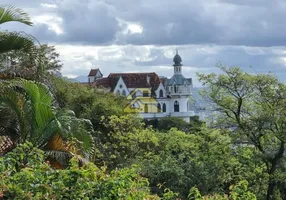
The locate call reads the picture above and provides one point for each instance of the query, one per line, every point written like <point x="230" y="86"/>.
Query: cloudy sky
<point x="142" y="35"/>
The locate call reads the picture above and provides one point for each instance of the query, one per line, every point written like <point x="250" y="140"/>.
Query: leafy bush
<point x="25" y="175"/>
<point x="237" y="192"/>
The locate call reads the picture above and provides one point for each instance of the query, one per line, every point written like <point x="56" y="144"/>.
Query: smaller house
<point x="94" y="75"/>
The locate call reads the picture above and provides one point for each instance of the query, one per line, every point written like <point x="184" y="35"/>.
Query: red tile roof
<point x="138" y="80"/>
<point x="93" y="72"/>
<point x="103" y="82"/>
<point x="132" y="80"/>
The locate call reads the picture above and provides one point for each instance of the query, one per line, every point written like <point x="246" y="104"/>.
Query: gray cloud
<point x="211" y="22"/>
<point x="220" y="22"/>
<point x="87" y="22"/>
<point x="241" y="33"/>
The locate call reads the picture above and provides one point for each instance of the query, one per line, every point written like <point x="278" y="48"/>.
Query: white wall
<point x="119" y="90"/>
<point x="157" y="92"/>
<point x="182" y="104"/>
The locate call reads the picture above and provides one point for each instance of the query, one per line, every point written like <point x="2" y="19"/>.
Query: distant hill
<point x="77" y="79"/>
<point x="81" y="78"/>
<point x="199" y="104"/>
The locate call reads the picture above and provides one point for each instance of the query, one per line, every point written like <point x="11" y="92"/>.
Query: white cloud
<point x="53" y="22"/>
<point x="134" y="28"/>
<point x="47" y="5"/>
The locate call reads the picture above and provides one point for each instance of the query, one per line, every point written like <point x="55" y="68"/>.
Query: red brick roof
<point x="103" y="82"/>
<point x="138" y="80"/>
<point x="93" y="72"/>
<point x="132" y="80"/>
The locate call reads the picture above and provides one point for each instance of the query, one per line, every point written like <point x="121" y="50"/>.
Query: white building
<point x="150" y="96"/>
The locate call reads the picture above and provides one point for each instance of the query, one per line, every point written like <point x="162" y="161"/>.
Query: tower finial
<point x="177" y="50"/>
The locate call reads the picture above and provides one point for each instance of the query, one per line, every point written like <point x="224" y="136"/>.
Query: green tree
<point x="180" y="161"/>
<point x="167" y="123"/>
<point x="37" y="66"/>
<point x="237" y="192"/>
<point x="123" y="139"/>
<point x="88" y="103"/>
<point x="254" y="107"/>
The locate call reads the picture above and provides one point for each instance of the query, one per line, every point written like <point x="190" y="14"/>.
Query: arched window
<point x="164" y="107"/>
<point x="176" y="106"/>
<point x="123" y="93"/>
<point x="118" y="92"/>
<point x="175" y="88"/>
<point x="146" y="108"/>
<point x="159" y="108"/>
<point x="161" y="94"/>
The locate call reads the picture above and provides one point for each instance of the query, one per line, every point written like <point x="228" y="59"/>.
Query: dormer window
<point x="161" y="93"/>
<point x="145" y="93"/>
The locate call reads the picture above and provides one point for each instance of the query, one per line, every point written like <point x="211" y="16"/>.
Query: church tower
<point x="177" y="63"/>
<point x="179" y="89"/>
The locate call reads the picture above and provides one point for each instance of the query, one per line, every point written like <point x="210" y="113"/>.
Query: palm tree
<point x="14" y="40"/>
<point x="11" y="42"/>
<point x="30" y="116"/>
<point x="18" y="52"/>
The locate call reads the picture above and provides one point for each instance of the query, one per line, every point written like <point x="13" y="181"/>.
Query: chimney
<point x="148" y="79"/>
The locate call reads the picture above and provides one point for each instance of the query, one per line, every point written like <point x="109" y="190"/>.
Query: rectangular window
<point x="145" y="93"/>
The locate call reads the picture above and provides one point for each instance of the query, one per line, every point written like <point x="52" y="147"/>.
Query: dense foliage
<point x="254" y="107"/>
<point x="25" y="175"/>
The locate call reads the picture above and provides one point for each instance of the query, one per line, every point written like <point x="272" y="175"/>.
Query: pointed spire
<point x="177" y="51"/>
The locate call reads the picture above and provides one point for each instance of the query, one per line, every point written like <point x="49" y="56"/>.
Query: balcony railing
<point x="179" y="90"/>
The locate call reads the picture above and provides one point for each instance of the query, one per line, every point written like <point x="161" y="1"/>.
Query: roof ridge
<point x="134" y="73"/>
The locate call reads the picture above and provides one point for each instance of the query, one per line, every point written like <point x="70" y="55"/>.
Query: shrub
<point x="25" y="175"/>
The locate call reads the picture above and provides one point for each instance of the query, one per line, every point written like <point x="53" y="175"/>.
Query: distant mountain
<point x="81" y="78"/>
<point x="198" y="103"/>
<point x="78" y="79"/>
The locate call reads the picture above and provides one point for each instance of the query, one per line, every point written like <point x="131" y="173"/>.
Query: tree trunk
<point x="275" y="161"/>
<point x="270" y="190"/>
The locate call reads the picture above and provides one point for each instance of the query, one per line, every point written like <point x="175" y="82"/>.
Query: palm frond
<point x="13" y="14"/>
<point x="15" y="102"/>
<point x="16" y="41"/>
<point x="39" y="100"/>
<point x="61" y="157"/>
<point x="80" y="129"/>
<point x="9" y="123"/>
